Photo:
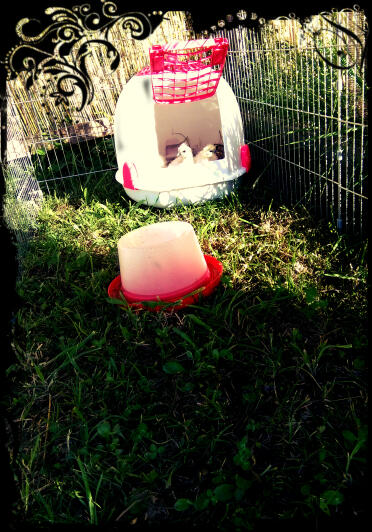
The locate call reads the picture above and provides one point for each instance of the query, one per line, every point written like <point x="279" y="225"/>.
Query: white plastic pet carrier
<point x="178" y="128"/>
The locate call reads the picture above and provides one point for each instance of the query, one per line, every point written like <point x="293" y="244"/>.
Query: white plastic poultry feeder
<point x="180" y="99"/>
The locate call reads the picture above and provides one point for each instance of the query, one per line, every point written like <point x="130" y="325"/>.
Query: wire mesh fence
<point x="303" y="100"/>
<point x="304" y="119"/>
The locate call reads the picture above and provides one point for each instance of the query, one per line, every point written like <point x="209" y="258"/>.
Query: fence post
<point x="339" y="133"/>
<point x="3" y="117"/>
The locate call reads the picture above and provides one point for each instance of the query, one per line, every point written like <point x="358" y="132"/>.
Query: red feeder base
<point x="215" y="267"/>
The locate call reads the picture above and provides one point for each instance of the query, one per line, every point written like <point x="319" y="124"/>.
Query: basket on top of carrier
<point x="178" y="128"/>
<point x="187" y="72"/>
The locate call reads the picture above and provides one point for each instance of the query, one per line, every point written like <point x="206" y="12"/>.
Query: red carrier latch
<point x="128" y="170"/>
<point x="245" y="157"/>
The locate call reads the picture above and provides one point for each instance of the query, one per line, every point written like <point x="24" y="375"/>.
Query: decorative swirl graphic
<point x="346" y="39"/>
<point x="55" y="49"/>
<point x="352" y="49"/>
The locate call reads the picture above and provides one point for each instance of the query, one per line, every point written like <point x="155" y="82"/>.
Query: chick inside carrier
<point x="178" y="129"/>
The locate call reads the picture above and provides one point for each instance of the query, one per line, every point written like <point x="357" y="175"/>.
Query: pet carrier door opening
<point x="197" y="124"/>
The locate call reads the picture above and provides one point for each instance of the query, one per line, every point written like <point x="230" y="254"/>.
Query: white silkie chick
<point x="206" y="154"/>
<point x="184" y="155"/>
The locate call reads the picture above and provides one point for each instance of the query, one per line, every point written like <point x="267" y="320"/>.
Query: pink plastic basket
<point x="186" y="71"/>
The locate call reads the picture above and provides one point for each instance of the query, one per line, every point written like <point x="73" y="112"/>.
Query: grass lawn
<point x="250" y="405"/>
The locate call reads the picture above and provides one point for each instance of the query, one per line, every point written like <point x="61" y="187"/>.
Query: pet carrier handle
<point x="188" y="72"/>
<point x="219" y="53"/>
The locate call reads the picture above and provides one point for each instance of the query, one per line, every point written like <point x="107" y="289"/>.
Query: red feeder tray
<point x="215" y="267"/>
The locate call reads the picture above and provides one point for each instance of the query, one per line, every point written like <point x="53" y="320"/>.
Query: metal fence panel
<point x="303" y="99"/>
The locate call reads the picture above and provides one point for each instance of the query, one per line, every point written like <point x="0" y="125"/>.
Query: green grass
<point x="250" y="405"/>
